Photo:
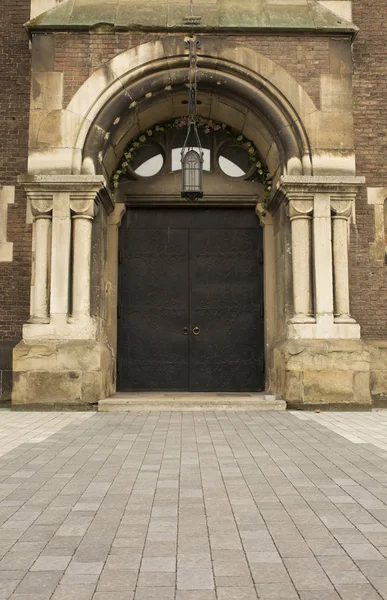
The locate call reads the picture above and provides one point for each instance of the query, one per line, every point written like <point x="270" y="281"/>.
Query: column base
<point x="325" y="374"/>
<point x="302" y="319"/>
<point x="62" y="374"/>
<point x="323" y="331"/>
<point x="344" y="319"/>
<point x="60" y="328"/>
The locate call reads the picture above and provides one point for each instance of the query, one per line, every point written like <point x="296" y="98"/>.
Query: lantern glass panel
<point x="192" y="172"/>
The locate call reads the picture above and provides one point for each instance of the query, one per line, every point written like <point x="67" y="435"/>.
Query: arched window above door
<point x="158" y="152"/>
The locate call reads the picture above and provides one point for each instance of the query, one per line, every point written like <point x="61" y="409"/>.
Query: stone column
<point x="300" y="214"/>
<point x="83" y="211"/>
<point x="42" y="213"/>
<point x="342" y="211"/>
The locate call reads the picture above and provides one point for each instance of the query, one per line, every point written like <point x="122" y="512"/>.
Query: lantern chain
<point x="193" y="45"/>
<point x="192" y="151"/>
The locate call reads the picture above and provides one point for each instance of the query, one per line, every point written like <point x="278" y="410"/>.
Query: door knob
<point x="196" y="330"/>
<point x="185" y="331"/>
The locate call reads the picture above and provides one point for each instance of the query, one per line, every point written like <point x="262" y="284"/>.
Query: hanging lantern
<point x="192" y="170"/>
<point x="192" y="156"/>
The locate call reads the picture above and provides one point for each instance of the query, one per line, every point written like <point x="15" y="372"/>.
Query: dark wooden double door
<point x="190" y="300"/>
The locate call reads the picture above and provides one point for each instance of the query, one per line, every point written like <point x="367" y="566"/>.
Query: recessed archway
<point x="147" y="84"/>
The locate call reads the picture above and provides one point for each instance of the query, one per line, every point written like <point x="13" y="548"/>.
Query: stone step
<point x="184" y="402"/>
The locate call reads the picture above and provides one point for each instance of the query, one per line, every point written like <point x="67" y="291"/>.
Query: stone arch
<point x="118" y="100"/>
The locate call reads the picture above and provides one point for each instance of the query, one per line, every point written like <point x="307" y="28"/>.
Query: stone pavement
<point x="193" y="506"/>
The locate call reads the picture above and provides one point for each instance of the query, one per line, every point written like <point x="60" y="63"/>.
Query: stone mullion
<point x="60" y="259"/>
<point x="322" y="259"/>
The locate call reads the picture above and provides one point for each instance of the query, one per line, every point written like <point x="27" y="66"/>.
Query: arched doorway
<point x="311" y="162"/>
<point x="190" y="289"/>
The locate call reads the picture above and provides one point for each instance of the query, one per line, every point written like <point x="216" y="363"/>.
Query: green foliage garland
<point x="208" y="126"/>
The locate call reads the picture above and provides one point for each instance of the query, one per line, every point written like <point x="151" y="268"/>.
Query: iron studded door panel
<point x="153" y="352"/>
<point x="226" y="306"/>
<point x="187" y="268"/>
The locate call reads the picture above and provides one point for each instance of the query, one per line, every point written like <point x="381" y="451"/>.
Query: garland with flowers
<point x="208" y="126"/>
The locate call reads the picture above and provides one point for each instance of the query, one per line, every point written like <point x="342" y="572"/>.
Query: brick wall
<point x="369" y="277"/>
<point x="14" y="110"/>
<point x="79" y="54"/>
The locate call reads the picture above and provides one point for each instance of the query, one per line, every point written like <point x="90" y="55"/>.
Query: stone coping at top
<point x="219" y="15"/>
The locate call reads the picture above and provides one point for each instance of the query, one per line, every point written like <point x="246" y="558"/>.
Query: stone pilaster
<point x="326" y="196"/>
<point x="324" y="362"/>
<point x="64" y="357"/>
<point x="266" y="221"/>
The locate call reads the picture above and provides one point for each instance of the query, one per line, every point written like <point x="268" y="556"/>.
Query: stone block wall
<point x="14" y="119"/>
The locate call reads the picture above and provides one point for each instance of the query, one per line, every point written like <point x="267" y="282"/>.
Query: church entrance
<point x="190" y="315"/>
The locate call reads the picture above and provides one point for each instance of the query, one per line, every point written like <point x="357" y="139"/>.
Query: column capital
<point x="83" y="204"/>
<point x="342" y="209"/>
<point x="300" y="187"/>
<point x="265" y="218"/>
<point x="300" y="209"/>
<point x="116" y="216"/>
<point x="41" y="205"/>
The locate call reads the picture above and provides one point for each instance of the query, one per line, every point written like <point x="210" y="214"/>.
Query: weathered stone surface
<point x="41" y="387"/>
<point x="323" y="387"/>
<point x="378" y="379"/>
<point x="322" y="373"/>
<point x="6" y="348"/>
<point x="222" y="14"/>
<point x="69" y="373"/>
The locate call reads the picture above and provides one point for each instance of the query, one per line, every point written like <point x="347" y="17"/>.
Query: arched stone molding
<point x="113" y="225"/>
<point x="274" y="106"/>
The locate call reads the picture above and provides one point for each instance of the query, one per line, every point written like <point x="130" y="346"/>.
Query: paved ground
<point x="204" y="506"/>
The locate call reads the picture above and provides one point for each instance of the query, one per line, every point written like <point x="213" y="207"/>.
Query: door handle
<point x="196" y="330"/>
<point x="185" y="331"/>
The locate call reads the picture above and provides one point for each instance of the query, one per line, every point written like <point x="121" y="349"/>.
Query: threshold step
<point x="184" y="402"/>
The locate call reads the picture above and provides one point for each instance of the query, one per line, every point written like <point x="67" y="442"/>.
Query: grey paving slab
<point x="156" y="580"/>
<point x="195" y="595"/>
<point x="194" y="506"/>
